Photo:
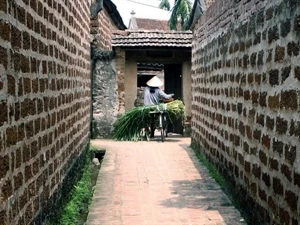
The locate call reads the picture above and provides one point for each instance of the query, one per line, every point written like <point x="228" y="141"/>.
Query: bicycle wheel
<point x="162" y="135"/>
<point x="147" y="134"/>
<point x="163" y="123"/>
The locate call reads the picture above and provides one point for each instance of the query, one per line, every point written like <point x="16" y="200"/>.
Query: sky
<point x="142" y="8"/>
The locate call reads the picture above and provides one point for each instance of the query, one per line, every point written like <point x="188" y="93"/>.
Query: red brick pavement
<point x="155" y="183"/>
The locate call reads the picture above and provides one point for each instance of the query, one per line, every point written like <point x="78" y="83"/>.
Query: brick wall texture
<point x="104" y="73"/>
<point x="44" y="100"/>
<point x="246" y="95"/>
<point x="101" y="30"/>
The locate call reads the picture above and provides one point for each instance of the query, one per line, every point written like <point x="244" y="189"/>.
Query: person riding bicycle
<point x="153" y="94"/>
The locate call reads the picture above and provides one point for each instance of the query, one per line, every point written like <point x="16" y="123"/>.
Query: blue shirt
<point x="153" y="98"/>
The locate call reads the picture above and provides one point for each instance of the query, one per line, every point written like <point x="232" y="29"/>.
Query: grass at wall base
<point x="75" y="210"/>
<point x="239" y="201"/>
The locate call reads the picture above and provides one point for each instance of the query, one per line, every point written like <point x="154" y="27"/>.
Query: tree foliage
<point x="165" y="4"/>
<point x="180" y="13"/>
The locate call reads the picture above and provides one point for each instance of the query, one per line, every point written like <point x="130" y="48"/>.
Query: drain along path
<point x="155" y="183"/>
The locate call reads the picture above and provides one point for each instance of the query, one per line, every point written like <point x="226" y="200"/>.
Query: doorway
<point x="173" y="84"/>
<point x="173" y="80"/>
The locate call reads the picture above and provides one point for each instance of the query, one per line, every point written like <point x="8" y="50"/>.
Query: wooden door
<point x="173" y="84"/>
<point x="173" y="80"/>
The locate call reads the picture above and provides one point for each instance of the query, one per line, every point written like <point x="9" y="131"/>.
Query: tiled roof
<point x="151" y="24"/>
<point x="152" y="38"/>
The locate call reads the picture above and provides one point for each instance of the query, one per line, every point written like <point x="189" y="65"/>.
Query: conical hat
<point x="155" y="82"/>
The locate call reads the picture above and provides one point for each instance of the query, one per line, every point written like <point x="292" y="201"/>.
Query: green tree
<point x="180" y="13"/>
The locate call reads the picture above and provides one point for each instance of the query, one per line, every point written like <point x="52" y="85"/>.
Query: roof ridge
<point x="150" y="19"/>
<point x="160" y="31"/>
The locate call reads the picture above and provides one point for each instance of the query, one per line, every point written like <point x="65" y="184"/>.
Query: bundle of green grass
<point x="128" y="127"/>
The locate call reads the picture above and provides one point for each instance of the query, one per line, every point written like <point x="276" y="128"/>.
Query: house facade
<point x="138" y="53"/>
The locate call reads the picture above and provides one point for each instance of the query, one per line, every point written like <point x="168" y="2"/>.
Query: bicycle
<point x="160" y="120"/>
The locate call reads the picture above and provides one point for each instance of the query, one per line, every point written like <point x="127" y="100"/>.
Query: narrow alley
<point x="155" y="183"/>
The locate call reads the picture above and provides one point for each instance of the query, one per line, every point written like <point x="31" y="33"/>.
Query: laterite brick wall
<point x="101" y="30"/>
<point x="246" y="100"/>
<point x="104" y="71"/>
<point x="44" y="102"/>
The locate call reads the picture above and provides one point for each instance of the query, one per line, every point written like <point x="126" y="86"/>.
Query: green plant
<point x="212" y="170"/>
<point x="81" y="197"/>
<point x="93" y="149"/>
<point x="128" y="127"/>
<point x="231" y="190"/>
<point x="76" y="208"/>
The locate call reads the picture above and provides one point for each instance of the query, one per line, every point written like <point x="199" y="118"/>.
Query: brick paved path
<point x="155" y="183"/>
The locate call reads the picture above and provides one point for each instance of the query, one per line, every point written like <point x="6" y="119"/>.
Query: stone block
<point x="18" y="181"/>
<point x="16" y="41"/>
<point x="253" y="58"/>
<point x="285" y="73"/>
<point x="285" y="28"/>
<point x="262" y="194"/>
<point x="266" y="179"/>
<point x="295" y="128"/>
<point x="289" y="100"/>
<point x="260" y="119"/>
<point x="35" y="167"/>
<point x="277" y="186"/>
<point x="273" y="163"/>
<point x="4" y="166"/>
<point x="34" y="149"/>
<point x="19" y="160"/>
<point x="7" y="189"/>
<point x="254" y="97"/>
<point x="297" y="179"/>
<point x="260" y="60"/>
<point x="245" y="61"/>
<point x="266" y="141"/>
<point x="262" y="98"/>
<point x="274" y="77"/>
<point x="273" y="34"/>
<point x="297" y="73"/>
<point x="29" y="21"/>
<point x="272" y="204"/>
<point x="270" y="55"/>
<point x="278" y="146"/>
<point x="247" y="167"/>
<point x="249" y="132"/>
<point x="24" y="64"/>
<point x="257" y="134"/>
<point x="285" y="170"/>
<point x="3" y="113"/>
<point x="263" y="157"/>
<point x="28" y="173"/>
<point x="253" y="188"/>
<point x="292" y="199"/>
<point x="279" y="53"/>
<point x="11" y="136"/>
<point x="3" y="57"/>
<point x="284" y="216"/>
<point x="269" y="13"/>
<point x="290" y="153"/>
<point x="273" y="102"/>
<point x="281" y="125"/>
<point x="270" y="123"/>
<point x="5" y="30"/>
<point x="3" y="6"/>
<point x="21" y="132"/>
<point x="297" y="24"/>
